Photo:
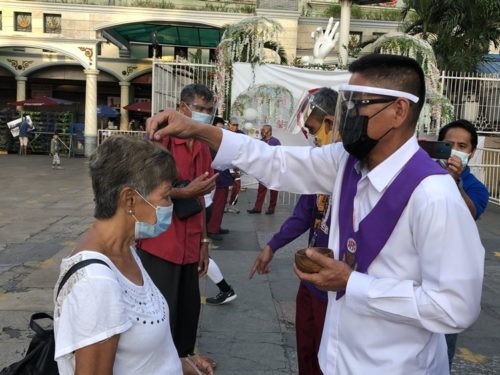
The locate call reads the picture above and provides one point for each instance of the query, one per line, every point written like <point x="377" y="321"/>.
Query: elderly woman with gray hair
<point x="109" y="316"/>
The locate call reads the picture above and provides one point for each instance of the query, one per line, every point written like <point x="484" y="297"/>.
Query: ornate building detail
<point x="52" y="23"/>
<point x="22" y="21"/>
<point x="20" y="65"/>
<point x="130" y="70"/>
<point x="89" y="52"/>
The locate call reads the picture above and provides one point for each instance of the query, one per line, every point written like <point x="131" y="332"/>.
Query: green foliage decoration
<point x="438" y="106"/>
<point x="460" y="31"/>
<point x="243" y="42"/>
<point x="366" y="13"/>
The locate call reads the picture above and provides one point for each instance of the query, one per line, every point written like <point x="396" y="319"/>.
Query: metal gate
<point x="170" y="77"/>
<point x="488" y="171"/>
<point x="475" y="97"/>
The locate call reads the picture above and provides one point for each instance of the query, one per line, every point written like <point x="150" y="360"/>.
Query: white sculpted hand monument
<point x="324" y="41"/>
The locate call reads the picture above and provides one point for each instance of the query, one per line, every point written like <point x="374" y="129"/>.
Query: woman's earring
<point x="130" y="212"/>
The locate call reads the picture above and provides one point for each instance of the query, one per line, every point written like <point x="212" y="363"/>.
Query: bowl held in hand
<point x="306" y="264"/>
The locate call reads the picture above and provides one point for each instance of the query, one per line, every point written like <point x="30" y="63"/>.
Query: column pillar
<point x="345" y="25"/>
<point x="124" y="100"/>
<point x="21" y="90"/>
<point x="90" y="110"/>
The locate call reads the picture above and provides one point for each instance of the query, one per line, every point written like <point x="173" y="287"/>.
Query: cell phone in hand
<point x="442" y="163"/>
<point x="436" y="149"/>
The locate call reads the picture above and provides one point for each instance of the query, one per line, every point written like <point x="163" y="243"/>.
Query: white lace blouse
<point x="98" y="302"/>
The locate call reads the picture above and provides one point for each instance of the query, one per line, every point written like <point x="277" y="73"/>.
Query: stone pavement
<point x="43" y="211"/>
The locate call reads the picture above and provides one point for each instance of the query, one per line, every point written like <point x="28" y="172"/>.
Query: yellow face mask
<point x="323" y="137"/>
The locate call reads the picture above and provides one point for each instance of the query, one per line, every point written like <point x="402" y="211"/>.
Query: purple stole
<point x="359" y="249"/>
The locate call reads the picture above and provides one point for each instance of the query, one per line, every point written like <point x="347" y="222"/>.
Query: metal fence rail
<point x="488" y="171"/>
<point x="475" y="97"/>
<point x="106" y="133"/>
<point x="288" y="199"/>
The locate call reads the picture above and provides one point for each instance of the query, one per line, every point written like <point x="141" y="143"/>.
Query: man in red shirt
<point x="176" y="258"/>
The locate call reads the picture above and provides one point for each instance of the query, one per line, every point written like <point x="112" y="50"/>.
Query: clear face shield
<point x="301" y="113"/>
<point x="351" y="125"/>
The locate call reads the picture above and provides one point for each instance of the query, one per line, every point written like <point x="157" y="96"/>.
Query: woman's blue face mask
<point x="163" y="221"/>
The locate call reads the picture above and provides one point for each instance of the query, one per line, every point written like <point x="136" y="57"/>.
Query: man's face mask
<point x="463" y="156"/>
<point x="353" y="126"/>
<point x="201" y="117"/>
<point x="201" y="114"/>
<point x="323" y="137"/>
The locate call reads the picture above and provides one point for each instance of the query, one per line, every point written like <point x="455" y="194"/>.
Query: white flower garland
<point x="414" y="47"/>
<point x="243" y="41"/>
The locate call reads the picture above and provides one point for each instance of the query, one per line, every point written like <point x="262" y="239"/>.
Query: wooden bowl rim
<point x="322" y="250"/>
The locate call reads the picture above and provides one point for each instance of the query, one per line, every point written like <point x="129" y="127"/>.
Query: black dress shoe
<point x="214" y="236"/>
<point x="223" y="231"/>
<point x="269" y="212"/>
<point x="253" y="211"/>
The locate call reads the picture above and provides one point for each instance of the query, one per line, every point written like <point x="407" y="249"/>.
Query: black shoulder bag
<point x="39" y="359"/>
<point x="184" y="207"/>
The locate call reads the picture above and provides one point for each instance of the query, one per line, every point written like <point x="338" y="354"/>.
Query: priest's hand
<point x="333" y="275"/>
<point x="169" y="123"/>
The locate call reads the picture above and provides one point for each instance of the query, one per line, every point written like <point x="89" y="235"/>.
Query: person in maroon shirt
<point x="267" y="136"/>
<point x="176" y="258"/>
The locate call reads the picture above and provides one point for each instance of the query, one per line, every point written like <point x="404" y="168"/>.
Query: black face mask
<point x="354" y="134"/>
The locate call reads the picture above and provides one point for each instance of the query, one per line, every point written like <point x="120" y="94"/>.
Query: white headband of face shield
<point x="379" y="91"/>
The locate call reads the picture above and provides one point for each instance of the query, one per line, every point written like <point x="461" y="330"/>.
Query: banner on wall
<point x="273" y="108"/>
<point x="297" y="80"/>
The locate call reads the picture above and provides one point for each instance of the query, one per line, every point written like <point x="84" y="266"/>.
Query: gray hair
<point x="326" y="99"/>
<point x="121" y="162"/>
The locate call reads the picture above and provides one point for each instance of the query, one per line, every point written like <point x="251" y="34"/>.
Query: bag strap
<point x="41" y="315"/>
<point x="76" y="267"/>
<point x="34" y="326"/>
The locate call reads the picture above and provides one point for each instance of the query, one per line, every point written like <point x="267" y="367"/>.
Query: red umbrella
<point x="40" y="102"/>
<point x="139" y="107"/>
